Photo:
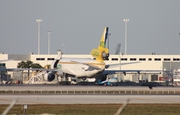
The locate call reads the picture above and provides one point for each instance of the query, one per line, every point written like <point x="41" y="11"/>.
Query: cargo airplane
<point x="82" y="67"/>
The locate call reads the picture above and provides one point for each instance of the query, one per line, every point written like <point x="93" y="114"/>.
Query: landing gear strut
<point x="84" y="81"/>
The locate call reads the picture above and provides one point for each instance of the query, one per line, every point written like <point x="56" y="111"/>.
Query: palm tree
<point x="21" y="64"/>
<point x="28" y="64"/>
<point x="35" y="66"/>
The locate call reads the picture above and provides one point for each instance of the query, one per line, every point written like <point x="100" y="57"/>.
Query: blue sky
<point x="153" y="25"/>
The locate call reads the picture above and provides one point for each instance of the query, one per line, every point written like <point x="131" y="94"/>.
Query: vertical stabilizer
<point x="101" y="53"/>
<point x="103" y="38"/>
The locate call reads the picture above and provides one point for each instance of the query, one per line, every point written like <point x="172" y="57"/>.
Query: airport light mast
<point x="38" y="21"/>
<point x="126" y="21"/>
<point x="48" y="41"/>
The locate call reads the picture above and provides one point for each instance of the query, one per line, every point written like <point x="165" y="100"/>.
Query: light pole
<point x="11" y="44"/>
<point x="64" y="46"/>
<point x="38" y="21"/>
<point x="126" y="21"/>
<point x="48" y="41"/>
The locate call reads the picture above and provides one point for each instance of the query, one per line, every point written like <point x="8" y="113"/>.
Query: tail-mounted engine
<point x="100" y="54"/>
<point x="105" y="55"/>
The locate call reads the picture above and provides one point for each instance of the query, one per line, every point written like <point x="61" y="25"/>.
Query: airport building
<point x="151" y="67"/>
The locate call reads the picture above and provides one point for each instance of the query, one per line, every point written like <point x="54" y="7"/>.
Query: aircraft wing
<point x="126" y="71"/>
<point x="118" y="64"/>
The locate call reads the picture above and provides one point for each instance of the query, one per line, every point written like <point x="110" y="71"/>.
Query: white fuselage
<point x="81" y="67"/>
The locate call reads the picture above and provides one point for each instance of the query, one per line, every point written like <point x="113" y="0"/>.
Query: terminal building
<point x="152" y="67"/>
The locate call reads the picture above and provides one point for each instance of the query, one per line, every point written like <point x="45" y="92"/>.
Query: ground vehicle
<point x="108" y="82"/>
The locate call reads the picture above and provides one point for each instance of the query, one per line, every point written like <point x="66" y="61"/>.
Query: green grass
<point x="97" y="109"/>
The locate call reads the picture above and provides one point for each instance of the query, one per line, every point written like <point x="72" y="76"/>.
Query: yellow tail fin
<point x="101" y="53"/>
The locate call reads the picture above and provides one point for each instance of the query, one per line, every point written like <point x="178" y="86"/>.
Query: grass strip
<point x="96" y="109"/>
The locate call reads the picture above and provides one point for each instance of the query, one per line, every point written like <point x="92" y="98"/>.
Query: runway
<point x="81" y="88"/>
<point x="88" y="99"/>
<point x="85" y="99"/>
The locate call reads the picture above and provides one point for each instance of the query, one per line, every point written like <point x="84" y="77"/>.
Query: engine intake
<point x="105" y="55"/>
<point x="50" y="76"/>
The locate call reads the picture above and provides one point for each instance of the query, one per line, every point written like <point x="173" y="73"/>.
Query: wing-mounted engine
<point x="50" y="75"/>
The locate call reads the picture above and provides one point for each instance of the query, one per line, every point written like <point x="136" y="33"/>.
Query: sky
<point x="154" y="25"/>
